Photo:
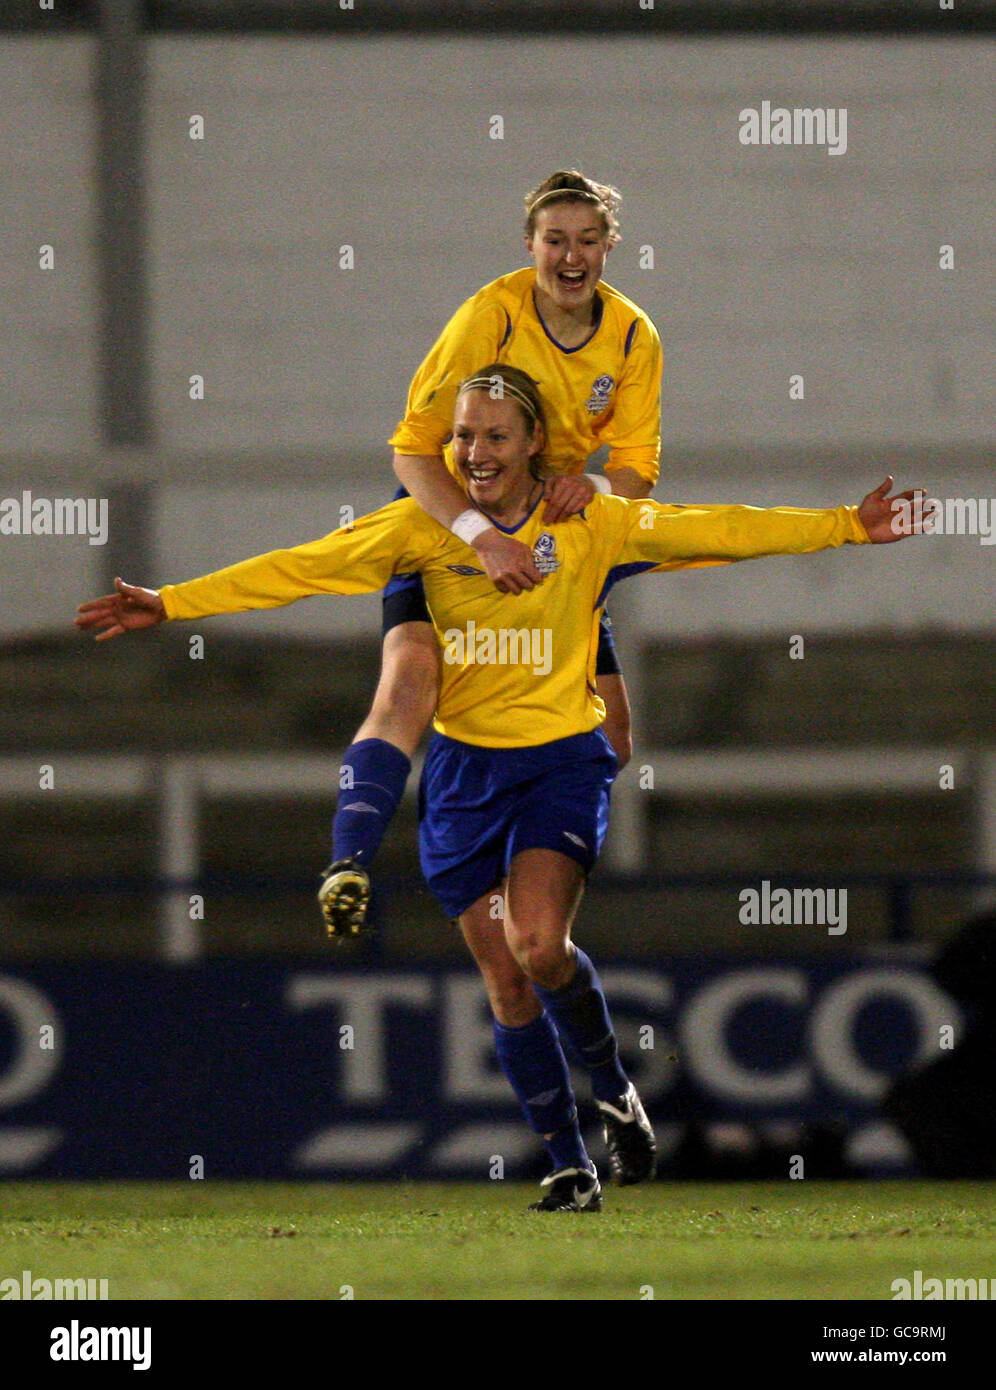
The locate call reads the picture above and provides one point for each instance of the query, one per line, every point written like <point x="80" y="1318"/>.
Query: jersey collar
<point x="511" y="530"/>
<point x="599" y="307"/>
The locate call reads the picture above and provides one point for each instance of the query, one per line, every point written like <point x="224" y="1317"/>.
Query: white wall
<point x="768" y="262"/>
<point x="48" y="340"/>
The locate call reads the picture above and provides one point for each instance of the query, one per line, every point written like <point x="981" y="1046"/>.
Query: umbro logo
<point x="464" y="569"/>
<point x="574" y="839"/>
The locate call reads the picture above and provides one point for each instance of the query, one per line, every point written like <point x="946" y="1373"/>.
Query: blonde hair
<point x="571" y="186"/>
<point x="502" y="382"/>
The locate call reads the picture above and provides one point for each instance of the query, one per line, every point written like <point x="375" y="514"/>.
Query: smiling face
<point x="492" y="446"/>
<point x="569" y="246"/>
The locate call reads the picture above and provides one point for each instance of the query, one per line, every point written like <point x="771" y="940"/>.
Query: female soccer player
<point x="515" y="790"/>
<point x="598" y="359"/>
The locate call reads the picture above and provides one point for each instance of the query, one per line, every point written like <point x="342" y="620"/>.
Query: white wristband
<point x="469" y="525"/>
<point x="601" y="483"/>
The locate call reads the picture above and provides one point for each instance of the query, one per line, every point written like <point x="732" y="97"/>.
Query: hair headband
<point x="481" y="383"/>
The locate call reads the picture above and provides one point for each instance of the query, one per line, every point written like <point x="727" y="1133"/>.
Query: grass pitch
<point x="204" y="1240"/>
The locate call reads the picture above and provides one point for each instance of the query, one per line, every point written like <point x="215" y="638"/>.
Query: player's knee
<point x="545" y="959"/>
<point x="409" y="685"/>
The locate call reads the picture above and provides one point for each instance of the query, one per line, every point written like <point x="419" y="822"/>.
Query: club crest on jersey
<point x="601" y="393"/>
<point x="545" y="554"/>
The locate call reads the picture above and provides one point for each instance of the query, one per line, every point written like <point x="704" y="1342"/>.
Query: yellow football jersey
<point x="607" y="391"/>
<point x="517" y="669"/>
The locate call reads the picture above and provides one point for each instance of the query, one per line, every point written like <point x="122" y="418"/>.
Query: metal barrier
<point x="181" y="783"/>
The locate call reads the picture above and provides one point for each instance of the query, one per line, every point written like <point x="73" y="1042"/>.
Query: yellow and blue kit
<point x="517" y="705"/>
<point x="604" y="392"/>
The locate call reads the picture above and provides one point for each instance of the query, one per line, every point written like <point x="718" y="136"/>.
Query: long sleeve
<point x="634" y="432"/>
<point x="649" y="535"/>
<point x="472" y="338"/>
<point x="358" y="559"/>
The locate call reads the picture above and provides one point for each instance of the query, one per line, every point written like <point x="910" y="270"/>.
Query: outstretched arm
<point x="663" y="536"/>
<point x="882" y="516"/>
<point x="128" y="609"/>
<point x="357" y="559"/>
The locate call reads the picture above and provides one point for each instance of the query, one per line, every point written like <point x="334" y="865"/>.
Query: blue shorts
<point x="480" y="806"/>
<point x="404" y="602"/>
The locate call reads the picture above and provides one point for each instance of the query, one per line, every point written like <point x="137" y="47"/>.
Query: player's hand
<point x="566" y="496"/>
<point x="888" y="519"/>
<point x="128" y="609"/>
<point x="507" y="562"/>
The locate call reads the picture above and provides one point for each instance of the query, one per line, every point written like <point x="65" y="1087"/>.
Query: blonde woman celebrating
<point x="515" y="791"/>
<point x="597" y="359"/>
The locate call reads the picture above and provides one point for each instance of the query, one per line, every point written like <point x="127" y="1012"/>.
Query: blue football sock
<point x="532" y="1059"/>
<point x="582" y="1017"/>
<point x="377" y="775"/>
